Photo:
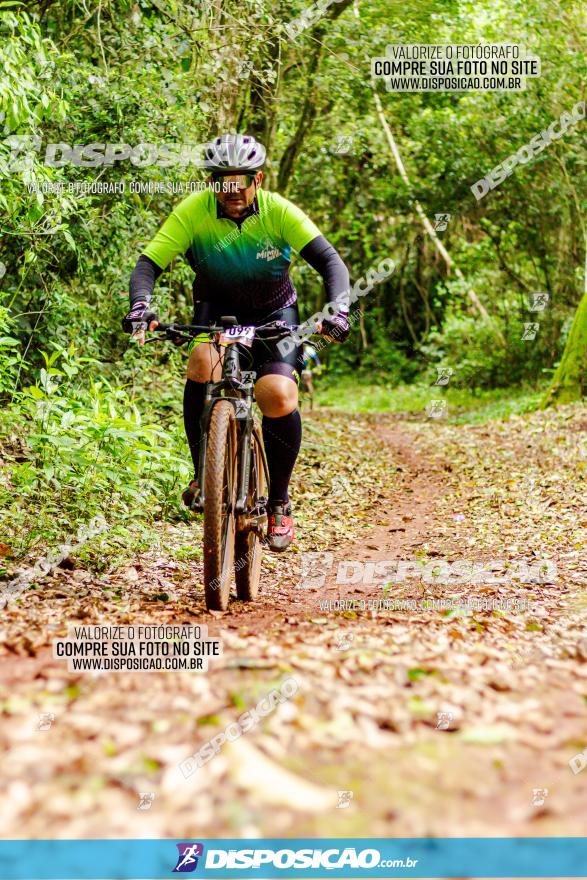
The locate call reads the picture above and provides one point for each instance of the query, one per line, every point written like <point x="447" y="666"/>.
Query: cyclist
<point x="237" y="238"/>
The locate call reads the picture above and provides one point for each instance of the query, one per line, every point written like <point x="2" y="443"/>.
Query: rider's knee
<point x="276" y="396"/>
<point x="199" y="368"/>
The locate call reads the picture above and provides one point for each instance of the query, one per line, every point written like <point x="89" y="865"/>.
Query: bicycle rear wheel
<point x="248" y="544"/>
<point x="219" y="502"/>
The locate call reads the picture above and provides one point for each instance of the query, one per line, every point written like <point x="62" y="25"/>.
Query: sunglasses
<point x="233" y="182"/>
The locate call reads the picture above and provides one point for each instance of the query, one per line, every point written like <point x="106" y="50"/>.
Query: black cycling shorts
<point x="264" y="357"/>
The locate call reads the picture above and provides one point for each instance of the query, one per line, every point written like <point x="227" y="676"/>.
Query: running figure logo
<point x="187" y="860"/>
<point x="441" y="222"/>
<point x="539" y="795"/>
<point x="344" y="799"/>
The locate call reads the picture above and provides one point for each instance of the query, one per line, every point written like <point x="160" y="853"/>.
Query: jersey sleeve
<point x="296" y="228"/>
<point x="176" y="234"/>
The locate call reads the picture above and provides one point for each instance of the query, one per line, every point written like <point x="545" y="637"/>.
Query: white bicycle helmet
<point x="234" y="152"/>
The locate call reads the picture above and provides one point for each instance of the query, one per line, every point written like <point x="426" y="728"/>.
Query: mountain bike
<point x="232" y="471"/>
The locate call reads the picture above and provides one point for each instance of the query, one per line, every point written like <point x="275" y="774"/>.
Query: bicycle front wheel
<point x="219" y="503"/>
<point x="248" y="544"/>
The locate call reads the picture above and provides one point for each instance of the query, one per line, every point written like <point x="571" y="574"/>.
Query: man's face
<point x="236" y="191"/>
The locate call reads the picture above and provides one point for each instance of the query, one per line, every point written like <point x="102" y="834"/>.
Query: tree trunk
<point x="305" y="122"/>
<point x="260" y="115"/>
<point x="362" y="329"/>
<point x="569" y="382"/>
<point x="309" y="107"/>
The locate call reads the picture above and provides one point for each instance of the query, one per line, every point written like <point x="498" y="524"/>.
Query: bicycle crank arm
<point x="255" y="520"/>
<point x="260" y="516"/>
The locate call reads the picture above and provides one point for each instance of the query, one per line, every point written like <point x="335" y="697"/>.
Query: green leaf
<point x="69" y="239"/>
<point x="488" y="735"/>
<point x="36" y="392"/>
<point x="417" y="673"/>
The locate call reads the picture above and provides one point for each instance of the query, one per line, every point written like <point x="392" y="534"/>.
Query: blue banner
<point x="228" y="859"/>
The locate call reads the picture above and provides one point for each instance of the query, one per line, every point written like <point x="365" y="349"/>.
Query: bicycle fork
<point x="230" y="372"/>
<point x="256" y="518"/>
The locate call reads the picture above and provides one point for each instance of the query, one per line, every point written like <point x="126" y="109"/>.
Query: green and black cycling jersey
<point x="241" y="265"/>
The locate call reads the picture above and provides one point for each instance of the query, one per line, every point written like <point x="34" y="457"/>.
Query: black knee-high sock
<point x="193" y="405"/>
<point x="282" y="438"/>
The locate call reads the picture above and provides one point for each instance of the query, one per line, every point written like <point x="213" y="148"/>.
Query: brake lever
<point x="169" y="334"/>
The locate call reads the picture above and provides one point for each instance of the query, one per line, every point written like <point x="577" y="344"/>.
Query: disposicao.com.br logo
<point x="187" y="858"/>
<point x="329" y="859"/>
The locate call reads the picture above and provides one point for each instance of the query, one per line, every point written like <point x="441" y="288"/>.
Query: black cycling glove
<point x="337" y="326"/>
<point x="138" y="317"/>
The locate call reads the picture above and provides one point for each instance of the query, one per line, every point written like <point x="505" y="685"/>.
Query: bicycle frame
<point x="240" y="387"/>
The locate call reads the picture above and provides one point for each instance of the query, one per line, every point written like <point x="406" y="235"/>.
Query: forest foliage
<point x="82" y="406"/>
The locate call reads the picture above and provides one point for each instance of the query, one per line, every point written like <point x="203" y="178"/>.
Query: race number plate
<point x="239" y="333"/>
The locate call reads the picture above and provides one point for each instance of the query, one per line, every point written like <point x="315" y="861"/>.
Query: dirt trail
<point x="511" y="685"/>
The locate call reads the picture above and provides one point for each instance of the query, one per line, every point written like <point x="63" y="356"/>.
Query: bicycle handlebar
<point x="219" y="328"/>
<point x="187" y="328"/>
<point x="189" y="331"/>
